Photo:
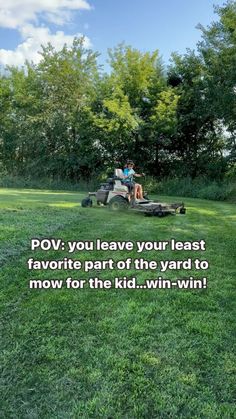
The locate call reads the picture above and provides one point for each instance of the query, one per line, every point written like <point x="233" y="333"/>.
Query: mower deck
<point x="159" y="209"/>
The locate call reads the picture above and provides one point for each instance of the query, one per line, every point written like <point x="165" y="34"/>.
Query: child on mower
<point x="129" y="174"/>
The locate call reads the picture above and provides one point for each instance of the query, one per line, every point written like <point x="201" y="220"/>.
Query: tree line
<point x="66" y="118"/>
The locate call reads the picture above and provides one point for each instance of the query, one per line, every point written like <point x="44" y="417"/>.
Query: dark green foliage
<point x="197" y="188"/>
<point x="9" y="181"/>
<point x="206" y="82"/>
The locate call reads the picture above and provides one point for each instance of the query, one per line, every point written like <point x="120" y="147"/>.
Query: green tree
<point x="199" y="144"/>
<point x="218" y="52"/>
<point x="132" y="94"/>
<point x="50" y="130"/>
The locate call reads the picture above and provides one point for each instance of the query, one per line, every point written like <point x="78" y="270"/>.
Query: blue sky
<point x="168" y="25"/>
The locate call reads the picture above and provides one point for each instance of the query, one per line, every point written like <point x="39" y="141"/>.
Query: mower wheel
<point x="86" y="202"/>
<point x="118" y="203"/>
<point x="159" y="213"/>
<point x="182" y="210"/>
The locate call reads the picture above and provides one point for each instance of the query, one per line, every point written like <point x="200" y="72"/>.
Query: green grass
<point x="116" y="353"/>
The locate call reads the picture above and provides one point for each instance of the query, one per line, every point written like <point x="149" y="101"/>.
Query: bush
<point x="231" y="172"/>
<point x="196" y="188"/>
<point x="150" y="184"/>
<point x="8" y="181"/>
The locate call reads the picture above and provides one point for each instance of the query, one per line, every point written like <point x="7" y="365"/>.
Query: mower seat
<point x="119" y="175"/>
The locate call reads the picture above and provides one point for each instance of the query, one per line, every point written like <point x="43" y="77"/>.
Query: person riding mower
<point x="128" y="180"/>
<point x="116" y="194"/>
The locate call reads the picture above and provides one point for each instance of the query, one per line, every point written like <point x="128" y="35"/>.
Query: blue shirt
<point x="130" y="173"/>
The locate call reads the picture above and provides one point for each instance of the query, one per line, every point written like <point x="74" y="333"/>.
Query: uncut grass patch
<point x="120" y="353"/>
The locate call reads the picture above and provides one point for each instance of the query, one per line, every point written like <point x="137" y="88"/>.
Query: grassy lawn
<point x="115" y="353"/>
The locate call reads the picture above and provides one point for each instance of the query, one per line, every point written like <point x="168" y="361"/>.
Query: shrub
<point x="9" y="181"/>
<point x="196" y="188"/>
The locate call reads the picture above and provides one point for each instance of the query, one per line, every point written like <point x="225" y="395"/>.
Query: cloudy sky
<point x="167" y="25"/>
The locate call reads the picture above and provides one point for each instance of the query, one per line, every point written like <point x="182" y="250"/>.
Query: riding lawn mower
<point x="117" y="196"/>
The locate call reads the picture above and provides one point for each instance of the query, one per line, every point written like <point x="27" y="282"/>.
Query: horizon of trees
<point x="65" y="118"/>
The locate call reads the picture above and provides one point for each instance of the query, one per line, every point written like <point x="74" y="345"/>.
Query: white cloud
<point x="15" y="13"/>
<point x="25" y="16"/>
<point x="33" y="38"/>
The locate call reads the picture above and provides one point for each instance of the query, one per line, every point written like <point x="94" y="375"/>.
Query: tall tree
<point x="134" y="93"/>
<point x="50" y="130"/>
<point x="218" y="52"/>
